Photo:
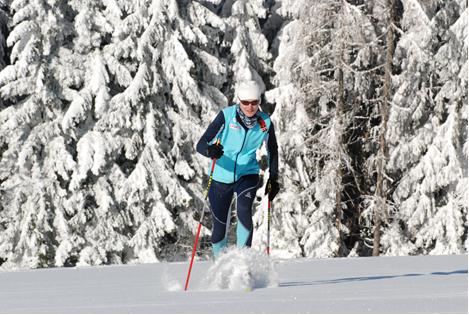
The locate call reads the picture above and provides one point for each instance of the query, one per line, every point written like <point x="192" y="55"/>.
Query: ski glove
<point x="215" y="151"/>
<point x="272" y="188"/>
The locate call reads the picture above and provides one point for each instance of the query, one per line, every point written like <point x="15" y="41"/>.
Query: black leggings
<point x="220" y="197"/>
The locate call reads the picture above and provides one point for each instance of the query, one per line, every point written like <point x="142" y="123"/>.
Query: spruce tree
<point x="29" y="127"/>
<point x="3" y="32"/>
<point x="427" y="134"/>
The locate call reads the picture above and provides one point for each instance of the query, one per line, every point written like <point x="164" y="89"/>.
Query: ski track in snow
<point x="243" y="281"/>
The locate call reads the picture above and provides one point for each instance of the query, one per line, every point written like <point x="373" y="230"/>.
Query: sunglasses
<point x="253" y="103"/>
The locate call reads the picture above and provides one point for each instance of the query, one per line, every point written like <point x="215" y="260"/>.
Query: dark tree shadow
<point x="370" y="278"/>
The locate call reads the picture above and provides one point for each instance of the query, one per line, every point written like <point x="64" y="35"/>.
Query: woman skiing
<point x="232" y="139"/>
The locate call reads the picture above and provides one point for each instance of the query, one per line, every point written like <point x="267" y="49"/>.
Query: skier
<point x="241" y="130"/>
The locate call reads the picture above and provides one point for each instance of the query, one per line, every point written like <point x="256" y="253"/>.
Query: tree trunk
<point x="339" y="130"/>
<point x="382" y="155"/>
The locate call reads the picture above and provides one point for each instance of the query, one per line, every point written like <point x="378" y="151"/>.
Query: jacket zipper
<point x="236" y="160"/>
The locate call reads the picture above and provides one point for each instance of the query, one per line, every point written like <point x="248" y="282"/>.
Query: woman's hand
<point x="215" y="151"/>
<point x="272" y="188"/>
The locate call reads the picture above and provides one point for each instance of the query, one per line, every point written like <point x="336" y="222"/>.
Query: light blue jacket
<point x="239" y="147"/>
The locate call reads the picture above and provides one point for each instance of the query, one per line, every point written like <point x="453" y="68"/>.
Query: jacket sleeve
<point x="272" y="149"/>
<point x="212" y="130"/>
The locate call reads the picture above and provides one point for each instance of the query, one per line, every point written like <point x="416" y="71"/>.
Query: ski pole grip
<point x="214" y="161"/>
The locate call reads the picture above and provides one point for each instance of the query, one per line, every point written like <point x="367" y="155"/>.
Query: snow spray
<point x="240" y="269"/>
<point x="169" y="283"/>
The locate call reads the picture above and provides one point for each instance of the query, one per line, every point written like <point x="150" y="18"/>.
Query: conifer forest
<point x="102" y="103"/>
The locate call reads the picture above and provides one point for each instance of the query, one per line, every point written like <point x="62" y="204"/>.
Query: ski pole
<point x="269" y="187"/>
<point x="268" y="227"/>
<point x="196" y="241"/>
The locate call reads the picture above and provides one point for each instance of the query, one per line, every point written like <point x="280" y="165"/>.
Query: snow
<point x="240" y="269"/>
<point x="408" y="284"/>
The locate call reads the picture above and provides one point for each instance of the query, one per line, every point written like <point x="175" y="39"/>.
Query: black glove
<point x="215" y="151"/>
<point x="272" y="188"/>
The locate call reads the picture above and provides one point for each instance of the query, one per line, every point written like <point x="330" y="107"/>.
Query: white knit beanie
<point x="249" y="90"/>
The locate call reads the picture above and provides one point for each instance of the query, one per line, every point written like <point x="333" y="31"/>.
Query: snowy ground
<point x="422" y="284"/>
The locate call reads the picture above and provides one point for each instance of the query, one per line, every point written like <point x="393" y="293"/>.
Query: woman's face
<point x="249" y="107"/>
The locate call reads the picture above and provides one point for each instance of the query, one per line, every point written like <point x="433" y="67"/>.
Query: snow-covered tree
<point x="102" y="103"/>
<point x="377" y="205"/>
<point x="428" y="131"/>
<point x="3" y="36"/>
<point x="249" y="47"/>
<point x="155" y="100"/>
<point x="3" y="32"/>
<point x="28" y="127"/>
<point x="320" y="51"/>
<point x="118" y="170"/>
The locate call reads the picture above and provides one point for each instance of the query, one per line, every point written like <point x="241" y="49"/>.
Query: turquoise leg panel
<point x="218" y="247"/>
<point x="242" y="235"/>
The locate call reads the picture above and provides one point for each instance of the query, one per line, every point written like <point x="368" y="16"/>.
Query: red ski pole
<point x="196" y="241"/>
